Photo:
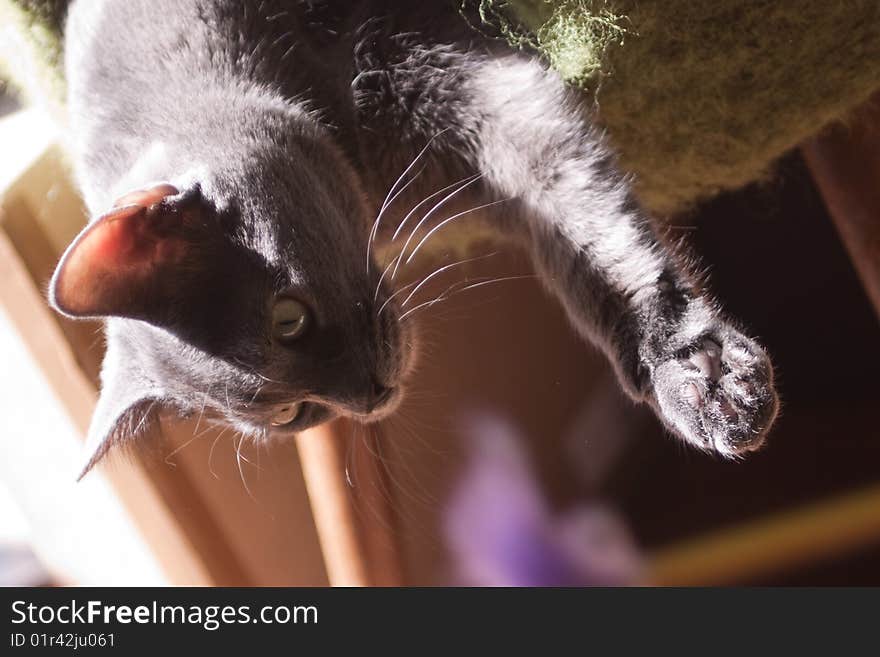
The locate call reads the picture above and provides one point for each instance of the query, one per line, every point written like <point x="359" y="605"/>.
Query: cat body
<point x="245" y="162"/>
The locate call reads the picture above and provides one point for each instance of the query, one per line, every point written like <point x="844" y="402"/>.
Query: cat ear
<point x="116" y="423"/>
<point x="127" y="409"/>
<point x="119" y="265"/>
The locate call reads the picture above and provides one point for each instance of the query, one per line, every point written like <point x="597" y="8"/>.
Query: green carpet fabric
<point x="701" y="96"/>
<point x="31" y="49"/>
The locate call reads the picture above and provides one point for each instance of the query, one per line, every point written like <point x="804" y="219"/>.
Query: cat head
<point x="241" y="294"/>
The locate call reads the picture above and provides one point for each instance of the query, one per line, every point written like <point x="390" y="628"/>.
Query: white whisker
<point x="446" y="294"/>
<point x="496" y="280"/>
<point x="238" y="459"/>
<point x="425" y="200"/>
<point x="446" y="221"/>
<point x="375" y="229"/>
<point x="254" y="372"/>
<point x="440" y="271"/>
<point x="143" y="419"/>
<point x="436" y="207"/>
<point x="391" y="192"/>
<point x="256" y="392"/>
<point x="402" y="289"/>
<point x="202" y="411"/>
<point x="379" y="284"/>
<point x="211" y="453"/>
<point x="350" y="474"/>
<point x="179" y="448"/>
<point x="424" y="304"/>
<point x="246" y="459"/>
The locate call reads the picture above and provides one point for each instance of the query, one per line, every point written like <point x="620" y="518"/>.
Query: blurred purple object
<point x="501" y="532"/>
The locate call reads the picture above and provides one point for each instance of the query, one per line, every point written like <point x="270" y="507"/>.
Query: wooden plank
<point x="47" y="344"/>
<point x="39" y="257"/>
<point x="845" y="163"/>
<point x="773" y="544"/>
<point x="186" y="539"/>
<point x="356" y="523"/>
<point x="375" y="497"/>
<point x="323" y="463"/>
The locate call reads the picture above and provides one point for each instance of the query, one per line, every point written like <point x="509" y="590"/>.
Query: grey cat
<point x="235" y="156"/>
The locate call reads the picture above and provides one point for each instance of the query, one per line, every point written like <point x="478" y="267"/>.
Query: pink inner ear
<point x="113" y="258"/>
<point x="120" y="238"/>
<point x="96" y="263"/>
<point x="112" y="240"/>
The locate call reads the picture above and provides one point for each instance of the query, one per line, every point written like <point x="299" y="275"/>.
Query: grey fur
<point x="290" y="121"/>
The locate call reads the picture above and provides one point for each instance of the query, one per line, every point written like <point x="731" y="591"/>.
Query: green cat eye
<point x="290" y="319"/>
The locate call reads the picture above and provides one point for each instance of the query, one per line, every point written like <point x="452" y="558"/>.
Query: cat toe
<point x="720" y="396"/>
<point x="707" y="360"/>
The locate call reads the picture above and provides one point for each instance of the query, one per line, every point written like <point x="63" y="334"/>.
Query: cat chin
<point x="314" y="414"/>
<point x="311" y="414"/>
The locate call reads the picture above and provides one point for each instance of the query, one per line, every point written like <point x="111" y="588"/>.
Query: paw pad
<point x="719" y="394"/>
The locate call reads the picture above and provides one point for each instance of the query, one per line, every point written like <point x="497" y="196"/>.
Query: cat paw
<point x="718" y="394"/>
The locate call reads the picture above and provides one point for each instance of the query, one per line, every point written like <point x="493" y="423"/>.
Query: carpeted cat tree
<point x="704" y="96"/>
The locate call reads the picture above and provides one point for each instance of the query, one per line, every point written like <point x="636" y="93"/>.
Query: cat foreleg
<point x="621" y="286"/>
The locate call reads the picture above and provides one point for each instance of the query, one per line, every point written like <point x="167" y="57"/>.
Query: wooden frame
<point x="845" y="163"/>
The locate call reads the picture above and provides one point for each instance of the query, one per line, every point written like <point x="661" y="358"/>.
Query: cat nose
<point x="379" y="394"/>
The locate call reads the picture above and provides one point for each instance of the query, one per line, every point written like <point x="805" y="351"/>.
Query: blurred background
<point x="516" y="460"/>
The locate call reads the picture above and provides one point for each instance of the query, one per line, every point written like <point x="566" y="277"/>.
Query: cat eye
<point x="290" y="319"/>
<point x="285" y="415"/>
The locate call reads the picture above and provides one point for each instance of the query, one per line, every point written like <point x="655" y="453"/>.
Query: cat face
<point x="240" y="292"/>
